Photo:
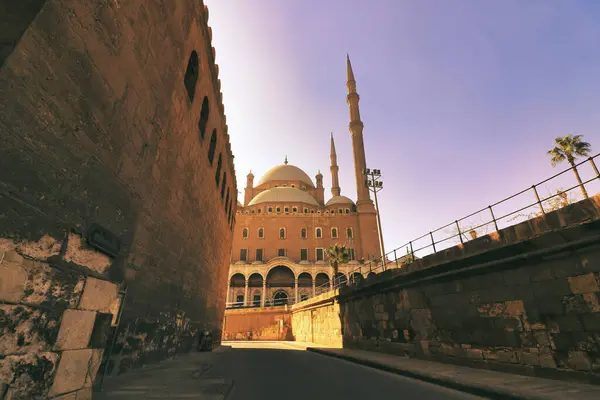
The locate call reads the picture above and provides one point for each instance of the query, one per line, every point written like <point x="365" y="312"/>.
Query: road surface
<point x="266" y="371"/>
<point x="279" y="371"/>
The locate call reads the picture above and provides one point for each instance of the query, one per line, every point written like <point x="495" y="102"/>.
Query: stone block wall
<point x="55" y="318"/>
<point x="269" y="323"/>
<point x="111" y="116"/>
<point x="317" y="320"/>
<point x="528" y="302"/>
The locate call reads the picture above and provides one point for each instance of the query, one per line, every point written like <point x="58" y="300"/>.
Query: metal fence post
<point x="594" y="166"/>
<point x="493" y="218"/>
<point x="396" y="258"/>
<point x="537" y="196"/>
<point x="432" y="241"/>
<point x="412" y="253"/>
<point x="459" y="234"/>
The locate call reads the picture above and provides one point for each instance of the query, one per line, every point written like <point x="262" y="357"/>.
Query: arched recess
<point x="280" y="276"/>
<point x="340" y="279"/>
<point x="280" y="298"/>
<point x="304" y="280"/>
<point x="212" y="147"/>
<point x="255" y="283"/>
<point x="371" y="274"/>
<point x="218" y="172"/>
<point x="237" y="280"/>
<point x="191" y="75"/>
<point x="204" y="113"/>
<point x="322" y="280"/>
<point x="356" y="277"/>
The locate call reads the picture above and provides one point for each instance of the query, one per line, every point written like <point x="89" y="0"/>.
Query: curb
<point x="472" y="388"/>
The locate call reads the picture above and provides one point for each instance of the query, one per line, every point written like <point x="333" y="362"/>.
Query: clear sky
<point x="460" y="99"/>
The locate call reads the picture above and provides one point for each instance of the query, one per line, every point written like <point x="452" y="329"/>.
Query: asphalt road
<point x="276" y="371"/>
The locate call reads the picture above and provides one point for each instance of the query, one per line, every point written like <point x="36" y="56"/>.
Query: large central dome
<point x="286" y="172"/>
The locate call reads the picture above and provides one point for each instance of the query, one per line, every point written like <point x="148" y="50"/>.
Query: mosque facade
<point x="285" y="226"/>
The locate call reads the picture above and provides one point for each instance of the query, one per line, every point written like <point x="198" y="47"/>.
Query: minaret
<point x="248" y="193"/>
<point x="335" y="182"/>
<point x="356" y="131"/>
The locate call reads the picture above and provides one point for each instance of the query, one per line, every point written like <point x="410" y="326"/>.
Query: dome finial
<point x="285" y="162"/>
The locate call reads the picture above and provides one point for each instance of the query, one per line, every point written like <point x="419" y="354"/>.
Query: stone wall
<point x="317" y="320"/>
<point x="114" y="137"/>
<point x="268" y="323"/>
<point x="55" y="317"/>
<point x="525" y="300"/>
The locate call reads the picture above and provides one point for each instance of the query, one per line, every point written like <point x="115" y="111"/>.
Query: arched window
<point x="282" y="233"/>
<point x="259" y="211"/>
<point x="334" y="233"/>
<point x="349" y="233"/>
<point x="270" y="209"/>
<point x="245" y="233"/>
<point x="305" y="210"/>
<point x="294" y="209"/>
<point x="261" y="233"/>
<point x="224" y="184"/>
<point x="212" y="147"/>
<point x="319" y="233"/>
<point x="227" y="202"/>
<point x="218" y="173"/>
<point x="203" y="118"/>
<point x="286" y="209"/>
<point x="303" y="233"/>
<point x="191" y="76"/>
<point x="278" y="209"/>
<point x="347" y="211"/>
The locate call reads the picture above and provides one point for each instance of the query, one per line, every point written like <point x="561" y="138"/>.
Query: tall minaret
<point x="356" y="131"/>
<point x="335" y="182"/>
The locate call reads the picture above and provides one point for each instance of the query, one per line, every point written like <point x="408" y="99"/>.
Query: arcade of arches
<point x="283" y="284"/>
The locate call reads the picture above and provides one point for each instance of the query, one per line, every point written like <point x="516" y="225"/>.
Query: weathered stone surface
<point x="12" y="280"/>
<point x="26" y="330"/>
<point x="80" y="253"/>
<point x="98" y="295"/>
<point x="584" y="283"/>
<point x="72" y="371"/>
<point x="76" y="328"/>
<point x="51" y="287"/>
<point x="28" y="376"/>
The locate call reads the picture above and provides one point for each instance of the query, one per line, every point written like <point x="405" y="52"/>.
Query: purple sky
<point x="460" y="99"/>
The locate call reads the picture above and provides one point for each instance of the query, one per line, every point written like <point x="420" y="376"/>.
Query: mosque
<point x="285" y="225"/>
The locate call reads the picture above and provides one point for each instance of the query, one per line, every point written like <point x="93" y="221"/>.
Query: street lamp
<point x="375" y="184"/>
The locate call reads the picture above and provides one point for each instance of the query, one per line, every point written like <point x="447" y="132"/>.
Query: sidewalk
<point x="181" y="377"/>
<point x="495" y="385"/>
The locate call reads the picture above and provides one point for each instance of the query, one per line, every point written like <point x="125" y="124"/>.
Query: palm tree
<point x="568" y="148"/>
<point x="337" y="254"/>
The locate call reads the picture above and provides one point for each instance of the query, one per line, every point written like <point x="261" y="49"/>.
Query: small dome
<point x="339" y="200"/>
<point x="283" y="194"/>
<point x="286" y="172"/>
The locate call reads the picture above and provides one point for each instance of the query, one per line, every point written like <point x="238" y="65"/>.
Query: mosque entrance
<point x="280" y="298"/>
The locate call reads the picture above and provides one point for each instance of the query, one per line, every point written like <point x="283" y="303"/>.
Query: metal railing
<point x="457" y="237"/>
<point x="376" y="265"/>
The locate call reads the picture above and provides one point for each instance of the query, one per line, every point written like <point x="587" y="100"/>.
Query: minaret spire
<point x="335" y="183"/>
<point x="286" y="161"/>
<point x="356" y="131"/>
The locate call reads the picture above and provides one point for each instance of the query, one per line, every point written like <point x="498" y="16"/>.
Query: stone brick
<point x="551" y="288"/>
<point x="584" y="283"/>
<point x="591" y="322"/>
<point x="568" y="323"/>
<point x="75" y="330"/>
<point x="547" y="361"/>
<point x="579" y="360"/>
<point x="541" y="272"/>
<point x="72" y="371"/>
<point x="476" y="354"/>
<point x="530" y="358"/>
<point x="26" y="330"/>
<point x="30" y="375"/>
<point x="12" y="281"/>
<point x="98" y="295"/>
<point x="80" y="253"/>
<point x="94" y="366"/>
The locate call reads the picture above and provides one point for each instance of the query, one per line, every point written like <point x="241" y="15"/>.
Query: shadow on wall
<point x="269" y="323"/>
<point x="522" y="300"/>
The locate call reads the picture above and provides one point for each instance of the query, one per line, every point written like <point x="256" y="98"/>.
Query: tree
<point x="569" y="148"/>
<point x="337" y="254"/>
